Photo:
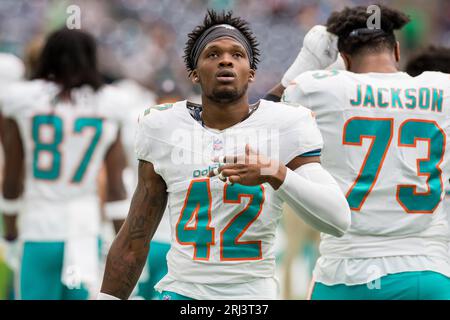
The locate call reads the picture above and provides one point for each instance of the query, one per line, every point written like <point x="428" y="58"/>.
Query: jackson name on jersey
<point x="386" y="144"/>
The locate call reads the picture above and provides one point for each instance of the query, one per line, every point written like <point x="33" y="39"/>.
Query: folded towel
<point x="81" y="250"/>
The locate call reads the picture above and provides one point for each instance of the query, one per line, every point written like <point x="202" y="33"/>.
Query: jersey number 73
<point x="380" y="132"/>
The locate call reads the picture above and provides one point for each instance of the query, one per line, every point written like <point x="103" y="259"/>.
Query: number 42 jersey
<point x="386" y="143"/>
<point x="222" y="235"/>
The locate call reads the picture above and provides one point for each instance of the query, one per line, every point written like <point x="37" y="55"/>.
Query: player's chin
<point x="225" y="93"/>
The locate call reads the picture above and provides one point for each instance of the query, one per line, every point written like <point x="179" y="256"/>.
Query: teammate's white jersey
<point x="138" y="100"/>
<point x="386" y="143"/>
<point x="65" y="145"/>
<point x="222" y="235"/>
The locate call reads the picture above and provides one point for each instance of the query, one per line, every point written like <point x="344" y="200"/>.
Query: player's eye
<point x="238" y="55"/>
<point x="212" y="55"/>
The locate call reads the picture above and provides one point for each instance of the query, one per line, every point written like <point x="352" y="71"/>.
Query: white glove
<point x="318" y="52"/>
<point x="339" y="64"/>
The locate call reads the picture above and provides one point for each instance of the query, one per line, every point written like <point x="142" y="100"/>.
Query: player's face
<point x="223" y="70"/>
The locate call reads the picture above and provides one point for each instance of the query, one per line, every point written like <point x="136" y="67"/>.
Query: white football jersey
<point x="386" y="143"/>
<point x="65" y="145"/>
<point x="222" y="235"/>
<point x="138" y="101"/>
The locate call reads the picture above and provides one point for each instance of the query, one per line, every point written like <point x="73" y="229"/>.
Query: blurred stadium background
<point x="143" y="40"/>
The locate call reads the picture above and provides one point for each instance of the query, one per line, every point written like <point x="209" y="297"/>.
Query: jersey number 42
<point x="194" y="225"/>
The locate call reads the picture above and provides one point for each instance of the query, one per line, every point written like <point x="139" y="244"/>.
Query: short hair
<point x="431" y="59"/>
<point x="213" y="18"/>
<point x="342" y="24"/>
<point x="69" y="58"/>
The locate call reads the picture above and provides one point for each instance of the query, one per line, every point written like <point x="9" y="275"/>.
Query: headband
<point x="215" y="32"/>
<point x="366" y="31"/>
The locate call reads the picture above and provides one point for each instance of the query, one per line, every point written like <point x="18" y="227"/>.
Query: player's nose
<point x="226" y="60"/>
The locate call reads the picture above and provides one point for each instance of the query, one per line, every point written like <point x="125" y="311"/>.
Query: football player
<point x="225" y="168"/>
<point x="59" y="129"/>
<point x="386" y="144"/>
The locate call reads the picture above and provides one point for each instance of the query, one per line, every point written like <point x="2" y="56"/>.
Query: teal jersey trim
<point x="314" y="153"/>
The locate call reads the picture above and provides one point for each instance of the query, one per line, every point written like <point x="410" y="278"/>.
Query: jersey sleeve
<point x="300" y="136"/>
<point x="152" y="132"/>
<point x="144" y="138"/>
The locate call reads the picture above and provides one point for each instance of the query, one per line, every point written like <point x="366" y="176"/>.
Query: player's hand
<point x="319" y="51"/>
<point x="250" y="169"/>
<point x="321" y="45"/>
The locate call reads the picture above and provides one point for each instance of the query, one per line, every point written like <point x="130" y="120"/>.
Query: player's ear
<point x="194" y="77"/>
<point x="251" y="76"/>
<point x="347" y="60"/>
<point x="397" y="51"/>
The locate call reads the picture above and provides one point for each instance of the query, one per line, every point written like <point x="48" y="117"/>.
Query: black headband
<point x="218" y="31"/>
<point x="366" y="31"/>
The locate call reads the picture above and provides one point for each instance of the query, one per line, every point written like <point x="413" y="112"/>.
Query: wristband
<point x="105" y="296"/>
<point x="11" y="207"/>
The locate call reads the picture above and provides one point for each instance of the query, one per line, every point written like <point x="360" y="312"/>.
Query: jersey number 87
<point x="53" y="171"/>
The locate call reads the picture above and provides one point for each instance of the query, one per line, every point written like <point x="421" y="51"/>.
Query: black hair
<point x="69" y="58"/>
<point x="342" y="23"/>
<point x="213" y="18"/>
<point x="431" y="59"/>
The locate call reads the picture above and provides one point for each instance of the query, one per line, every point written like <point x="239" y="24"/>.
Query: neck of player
<point x="220" y="116"/>
<point x="379" y="63"/>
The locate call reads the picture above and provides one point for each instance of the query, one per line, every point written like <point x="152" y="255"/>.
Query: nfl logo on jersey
<point x="217" y="144"/>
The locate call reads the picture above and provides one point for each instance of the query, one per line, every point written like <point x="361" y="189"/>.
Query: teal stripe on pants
<point x="157" y="269"/>
<point x="422" y="285"/>
<point x="40" y="273"/>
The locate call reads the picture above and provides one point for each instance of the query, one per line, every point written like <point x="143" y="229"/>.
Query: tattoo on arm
<point x="129" y="250"/>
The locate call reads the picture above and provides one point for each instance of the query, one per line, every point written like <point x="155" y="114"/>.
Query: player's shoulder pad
<point x="22" y="95"/>
<point x="155" y="126"/>
<point x="157" y="119"/>
<point x="159" y="107"/>
<point x="326" y="82"/>
<point x="436" y="79"/>
<point x="435" y="75"/>
<point x="298" y="129"/>
<point x="154" y="111"/>
<point x="318" y="76"/>
<point x="291" y="114"/>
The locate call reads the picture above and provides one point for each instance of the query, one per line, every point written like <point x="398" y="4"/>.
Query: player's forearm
<point x="129" y="251"/>
<point x="10" y="227"/>
<point x="124" y="264"/>
<point x="315" y="196"/>
<point x="14" y="166"/>
<point x="275" y="93"/>
<point x="117" y="223"/>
